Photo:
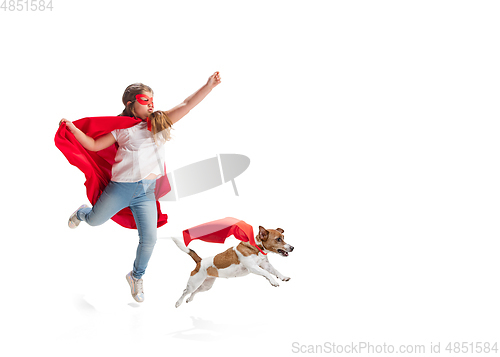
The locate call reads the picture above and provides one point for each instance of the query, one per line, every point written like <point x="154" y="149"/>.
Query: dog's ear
<point x="263" y="233"/>
<point x="280" y="230"/>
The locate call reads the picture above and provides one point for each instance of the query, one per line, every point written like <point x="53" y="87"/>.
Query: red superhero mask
<point x="144" y="99"/>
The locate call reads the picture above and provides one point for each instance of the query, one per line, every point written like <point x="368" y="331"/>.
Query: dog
<point x="236" y="262"/>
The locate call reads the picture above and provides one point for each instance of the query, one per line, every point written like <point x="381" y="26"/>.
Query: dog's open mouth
<point x="283" y="253"/>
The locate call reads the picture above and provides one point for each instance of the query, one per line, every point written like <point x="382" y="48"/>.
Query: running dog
<point x="235" y="262"/>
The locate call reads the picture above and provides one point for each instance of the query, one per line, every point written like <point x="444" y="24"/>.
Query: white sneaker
<point x="135" y="287"/>
<point x="73" y="220"/>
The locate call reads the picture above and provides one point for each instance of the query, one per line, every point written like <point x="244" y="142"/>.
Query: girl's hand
<point x="213" y="80"/>
<point x="69" y="124"/>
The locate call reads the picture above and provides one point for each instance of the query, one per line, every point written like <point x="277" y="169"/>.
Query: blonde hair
<point x="160" y="126"/>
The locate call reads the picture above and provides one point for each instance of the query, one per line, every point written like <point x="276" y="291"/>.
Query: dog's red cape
<point x="218" y="231"/>
<point x="97" y="165"/>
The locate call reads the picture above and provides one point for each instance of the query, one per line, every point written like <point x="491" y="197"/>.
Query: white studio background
<point x="372" y="129"/>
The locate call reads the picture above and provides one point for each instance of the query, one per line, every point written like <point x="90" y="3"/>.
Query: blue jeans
<point x="140" y="197"/>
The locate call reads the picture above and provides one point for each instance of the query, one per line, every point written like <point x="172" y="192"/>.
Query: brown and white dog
<point x="235" y="262"/>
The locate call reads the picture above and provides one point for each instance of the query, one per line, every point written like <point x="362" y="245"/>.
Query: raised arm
<point x="178" y="112"/>
<point x="87" y="142"/>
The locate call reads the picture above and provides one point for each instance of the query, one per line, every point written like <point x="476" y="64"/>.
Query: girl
<point x="139" y="161"/>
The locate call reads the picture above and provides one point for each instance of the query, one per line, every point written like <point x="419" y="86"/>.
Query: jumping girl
<point x="138" y="163"/>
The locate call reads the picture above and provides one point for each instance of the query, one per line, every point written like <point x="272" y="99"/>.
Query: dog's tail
<point x="186" y="250"/>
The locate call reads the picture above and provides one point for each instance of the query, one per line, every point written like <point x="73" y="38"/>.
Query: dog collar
<point x="260" y="247"/>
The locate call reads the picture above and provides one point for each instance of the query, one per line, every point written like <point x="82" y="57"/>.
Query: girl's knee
<point x="149" y="240"/>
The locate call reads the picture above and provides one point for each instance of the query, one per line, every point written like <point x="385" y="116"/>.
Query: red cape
<point x="97" y="165"/>
<point x="218" y="231"/>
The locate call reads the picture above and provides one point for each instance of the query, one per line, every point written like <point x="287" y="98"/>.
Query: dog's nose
<point x="291" y="248"/>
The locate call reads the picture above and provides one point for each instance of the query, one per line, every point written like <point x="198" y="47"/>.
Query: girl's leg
<point x="114" y="198"/>
<point x="143" y="207"/>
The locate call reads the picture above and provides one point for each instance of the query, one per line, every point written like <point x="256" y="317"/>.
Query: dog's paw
<point x="274" y="283"/>
<point x="286" y="278"/>
<point x="178" y="303"/>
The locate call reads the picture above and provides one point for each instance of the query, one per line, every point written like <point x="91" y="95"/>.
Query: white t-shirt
<point x="138" y="155"/>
